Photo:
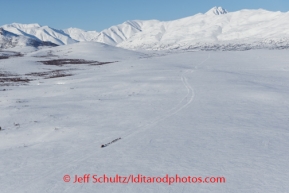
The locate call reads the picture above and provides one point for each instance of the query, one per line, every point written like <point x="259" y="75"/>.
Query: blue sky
<point x="100" y="14"/>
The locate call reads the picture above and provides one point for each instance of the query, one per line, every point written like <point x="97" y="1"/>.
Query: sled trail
<point x="185" y="102"/>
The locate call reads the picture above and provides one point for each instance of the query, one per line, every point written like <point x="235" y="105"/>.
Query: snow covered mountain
<point x="214" y="30"/>
<point x="81" y="35"/>
<point x="9" y="40"/>
<point x="43" y="33"/>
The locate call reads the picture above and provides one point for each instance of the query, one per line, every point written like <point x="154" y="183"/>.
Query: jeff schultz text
<point x="87" y="178"/>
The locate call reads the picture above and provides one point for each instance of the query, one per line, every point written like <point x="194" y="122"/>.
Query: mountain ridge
<point x="215" y="28"/>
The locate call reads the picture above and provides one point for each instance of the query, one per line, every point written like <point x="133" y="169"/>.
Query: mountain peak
<point x="217" y="11"/>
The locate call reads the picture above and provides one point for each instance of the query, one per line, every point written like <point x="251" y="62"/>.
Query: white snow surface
<point x="189" y="113"/>
<point x="216" y="29"/>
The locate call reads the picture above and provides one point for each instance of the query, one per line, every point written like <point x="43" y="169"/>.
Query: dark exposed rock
<point x="61" y="62"/>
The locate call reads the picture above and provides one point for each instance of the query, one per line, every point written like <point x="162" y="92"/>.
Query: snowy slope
<point x="11" y="40"/>
<point x="119" y="33"/>
<point x="81" y="35"/>
<point x="89" y="51"/>
<point x="192" y="114"/>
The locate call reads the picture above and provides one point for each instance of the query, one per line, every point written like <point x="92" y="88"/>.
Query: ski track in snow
<point x="185" y="102"/>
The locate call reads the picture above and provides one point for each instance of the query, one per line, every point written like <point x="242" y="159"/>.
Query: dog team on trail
<point x="102" y="146"/>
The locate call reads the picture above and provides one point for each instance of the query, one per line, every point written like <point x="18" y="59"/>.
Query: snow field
<point x="191" y="113"/>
